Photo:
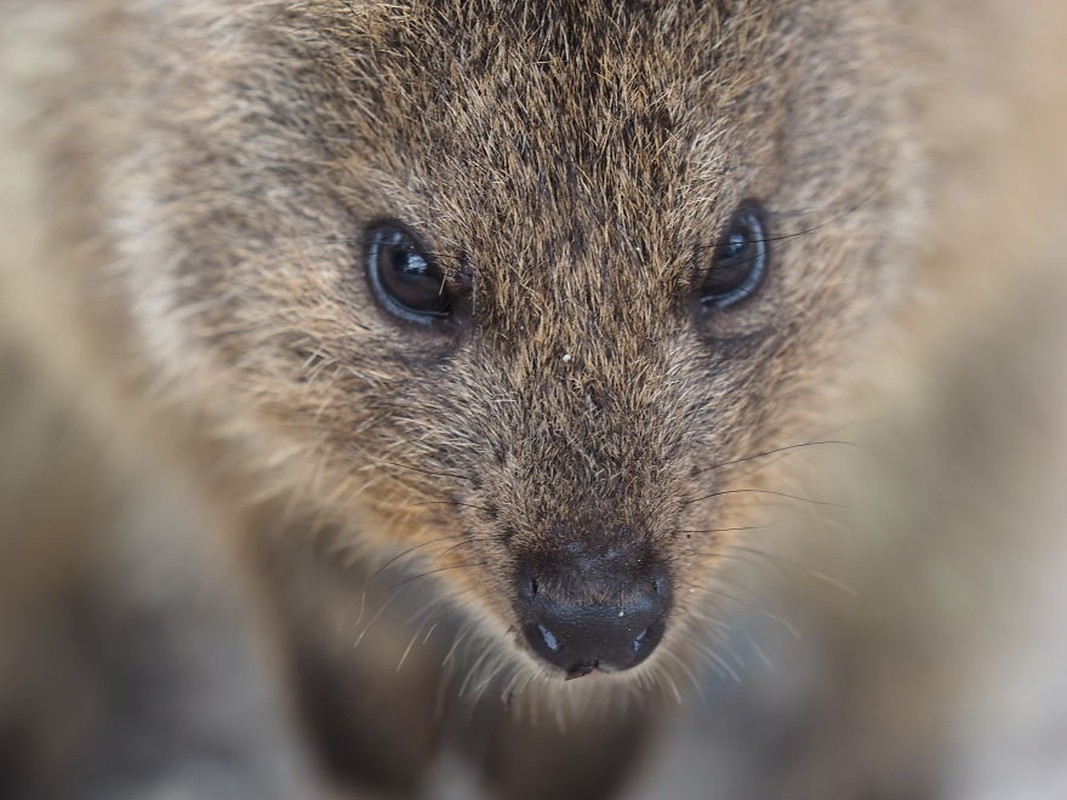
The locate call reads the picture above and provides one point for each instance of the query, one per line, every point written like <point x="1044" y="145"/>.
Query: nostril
<point x="527" y="588"/>
<point x="647" y="640"/>
<point x="659" y="585"/>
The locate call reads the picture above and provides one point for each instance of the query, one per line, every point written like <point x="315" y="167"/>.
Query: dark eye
<point x="740" y="260"/>
<point x="402" y="276"/>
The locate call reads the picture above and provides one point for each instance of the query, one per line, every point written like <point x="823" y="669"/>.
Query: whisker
<point x="450" y="502"/>
<point x="411" y="644"/>
<point x="381" y="610"/>
<point x="759" y="651"/>
<point x="751" y="605"/>
<point x="687" y="672"/>
<point x="472" y="670"/>
<point x="669" y="679"/>
<point x="400" y="584"/>
<point x="812" y="229"/>
<point x="722" y="666"/>
<point x="719" y="554"/>
<point x="424" y="471"/>
<point x="770" y="492"/>
<point x="779" y="450"/>
<point x="722" y="530"/>
<point x="782" y="562"/>
<point x="449" y="657"/>
<point x="407" y="552"/>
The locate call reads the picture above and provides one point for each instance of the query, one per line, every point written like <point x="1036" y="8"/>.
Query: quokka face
<point x="520" y="287"/>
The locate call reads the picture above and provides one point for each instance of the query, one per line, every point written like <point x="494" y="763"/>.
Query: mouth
<point x="605" y="639"/>
<point x="582" y="670"/>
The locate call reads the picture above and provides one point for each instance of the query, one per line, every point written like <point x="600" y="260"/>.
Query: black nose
<point x="579" y="636"/>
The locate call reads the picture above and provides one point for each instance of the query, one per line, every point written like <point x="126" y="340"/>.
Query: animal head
<point x="522" y="286"/>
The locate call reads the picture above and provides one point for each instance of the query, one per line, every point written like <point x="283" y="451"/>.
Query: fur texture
<point x="573" y="168"/>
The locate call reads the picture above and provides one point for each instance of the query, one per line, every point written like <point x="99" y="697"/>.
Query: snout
<point x="593" y="612"/>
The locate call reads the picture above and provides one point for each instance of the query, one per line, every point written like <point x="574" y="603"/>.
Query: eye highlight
<point x="403" y="278"/>
<point x="739" y="264"/>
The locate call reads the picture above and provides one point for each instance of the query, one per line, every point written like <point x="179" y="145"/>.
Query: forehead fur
<point x="521" y="140"/>
<point x="574" y="162"/>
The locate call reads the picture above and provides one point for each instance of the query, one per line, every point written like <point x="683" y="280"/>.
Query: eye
<point x="740" y="260"/>
<point x="404" y="279"/>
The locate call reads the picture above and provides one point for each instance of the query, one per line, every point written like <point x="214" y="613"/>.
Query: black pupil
<point x="732" y="263"/>
<point x="740" y="260"/>
<point x="406" y="276"/>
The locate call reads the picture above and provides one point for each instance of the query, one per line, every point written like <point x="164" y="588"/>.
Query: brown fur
<point x="202" y="175"/>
